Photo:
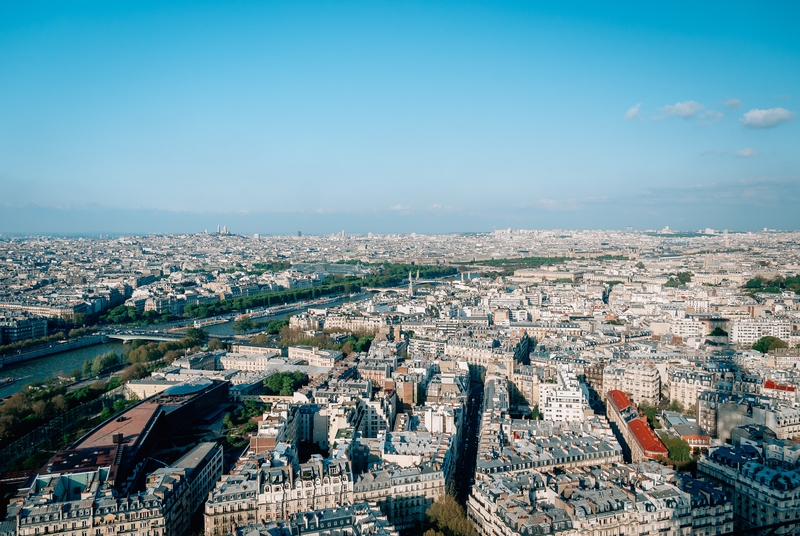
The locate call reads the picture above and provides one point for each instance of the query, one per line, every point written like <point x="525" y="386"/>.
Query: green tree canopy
<point x="767" y="344"/>
<point x="243" y="325"/>
<point x="102" y="362"/>
<point x="215" y="344"/>
<point x="199" y="334"/>
<point x="650" y="412"/>
<point x="284" y="383"/>
<point x="679" y="450"/>
<point x="681" y="278"/>
<point x="775" y="285"/>
<point x="447" y="517"/>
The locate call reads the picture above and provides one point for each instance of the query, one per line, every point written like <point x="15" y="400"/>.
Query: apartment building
<point x="565" y="400"/>
<point x="79" y="502"/>
<point x="686" y="384"/>
<point x="315" y="357"/>
<point x="641" y="441"/>
<point x="746" y="331"/>
<point x="640" y="381"/>
<point x="19" y="329"/>
<point x="763" y="494"/>
<point x="257" y="491"/>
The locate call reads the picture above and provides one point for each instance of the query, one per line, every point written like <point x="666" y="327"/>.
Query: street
<point x="465" y="468"/>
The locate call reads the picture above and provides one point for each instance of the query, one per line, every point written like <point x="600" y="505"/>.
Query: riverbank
<point x="52" y="349"/>
<point x="64" y="362"/>
<point x="50" y="366"/>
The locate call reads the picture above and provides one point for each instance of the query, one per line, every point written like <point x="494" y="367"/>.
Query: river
<point x="46" y="367"/>
<point x="226" y="329"/>
<point x="66" y="362"/>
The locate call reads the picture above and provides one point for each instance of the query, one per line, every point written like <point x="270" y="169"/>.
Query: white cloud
<point x="708" y="117"/>
<point x="633" y="113"/>
<point x="757" y="118"/>
<point x="747" y="153"/>
<point x="686" y="109"/>
<point x="436" y="207"/>
<point x="733" y="104"/>
<point x="713" y="115"/>
<point x="400" y="208"/>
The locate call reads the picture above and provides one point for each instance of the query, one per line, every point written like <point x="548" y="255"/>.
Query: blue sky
<point x="374" y="116"/>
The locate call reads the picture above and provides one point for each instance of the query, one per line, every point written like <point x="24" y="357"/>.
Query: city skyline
<point x="274" y="118"/>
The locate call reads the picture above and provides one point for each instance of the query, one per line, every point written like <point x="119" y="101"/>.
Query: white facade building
<point x="565" y="400"/>
<point x="749" y="330"/>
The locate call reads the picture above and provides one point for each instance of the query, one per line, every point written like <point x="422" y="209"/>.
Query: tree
<point x="284" y="383"/>
<point x="675" y="406"/>
<point x="243" y="325"/>
<point x="754" y="283"/>
<point x="275" y="326"/>
<point x="60" y="403"/>
<point x="676" y="280"/>
<point x="718" y="332"/>
<point x="650" y="412"/>
<point x="198" y="334"/>
<point x="446" y="516"/>
<point x="215" y="344"/>
<point x="679" y="450"/>
<point x="40" y="408"/>
<point x="134" y="372"/>
<point x="767" y="344"/>
<point x="260" y="340"/>
<point x="640" y="265"/>
<point x="104" y="361"/>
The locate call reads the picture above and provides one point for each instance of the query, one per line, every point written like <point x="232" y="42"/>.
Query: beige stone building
<point x="640" y="381"/>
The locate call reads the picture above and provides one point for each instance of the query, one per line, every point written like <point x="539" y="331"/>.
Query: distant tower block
<point x="629" y="228"/>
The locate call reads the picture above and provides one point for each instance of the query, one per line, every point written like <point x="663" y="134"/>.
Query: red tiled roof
<point x="647" y="438"/>
<point x="769" y="384"/>
<point x="619" y="399"/>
